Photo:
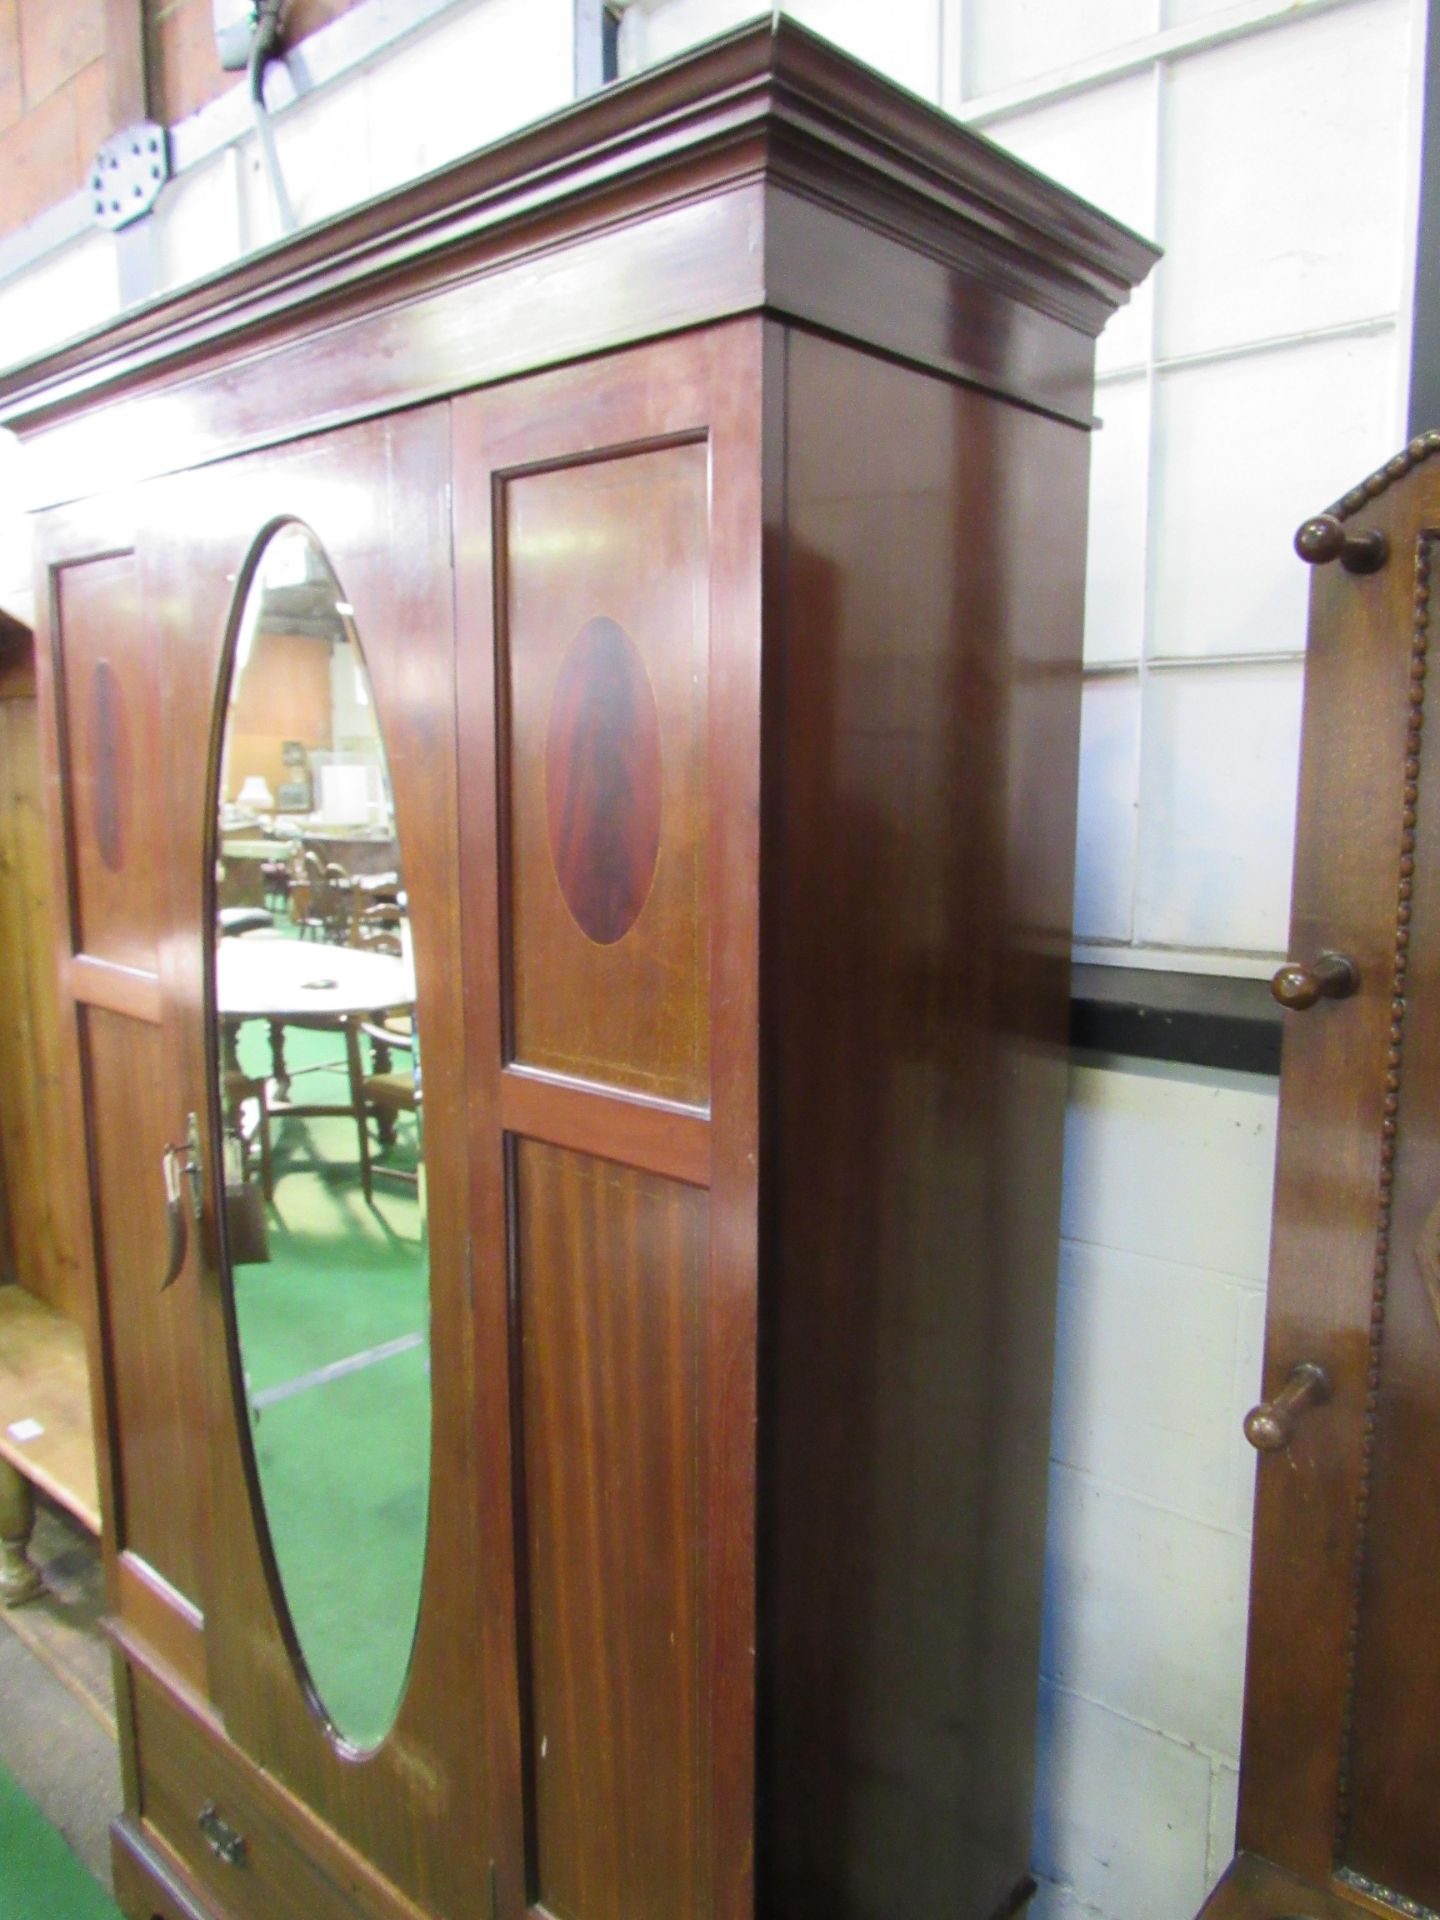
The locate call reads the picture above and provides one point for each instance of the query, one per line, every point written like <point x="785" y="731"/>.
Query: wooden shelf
<point x="44" y="1377"/>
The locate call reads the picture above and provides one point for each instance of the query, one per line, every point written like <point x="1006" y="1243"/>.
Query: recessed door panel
<point x="154" y="1357"/>
<point x="611" y="1272"/>
<point x="605" y="645"/>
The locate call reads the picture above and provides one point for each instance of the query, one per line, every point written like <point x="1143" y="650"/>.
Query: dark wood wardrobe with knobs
<point x="1340" y="1761"/>
<point x="604" y="621"/>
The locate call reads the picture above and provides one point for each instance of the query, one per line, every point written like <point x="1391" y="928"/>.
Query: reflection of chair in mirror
<point x="307" y="888"/>
<point x="377" y="928"/>
<point x="237" y="1090"/>
<point x="335" y="902"/>
<point x="275" y="876"/>
<point x="319" y="898"/>
<point x="384" y="1091"/>
<point x="232" y="923"/>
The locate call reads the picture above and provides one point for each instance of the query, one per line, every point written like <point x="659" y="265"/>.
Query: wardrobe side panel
<point x="922" y="700"/>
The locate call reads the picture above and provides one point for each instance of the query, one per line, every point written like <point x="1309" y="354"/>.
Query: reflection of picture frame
<point x="294" y="797"/>
<point x="292" y="752"/>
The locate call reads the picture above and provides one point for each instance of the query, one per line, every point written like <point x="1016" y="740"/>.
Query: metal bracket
<point x="597" y="40"/>
<point x="234" y="33"/>
<point x="129" y="171"/>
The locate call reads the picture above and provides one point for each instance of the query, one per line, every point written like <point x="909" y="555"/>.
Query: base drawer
<point x="198" y="1797"/>
<point x="146" y="1887"/>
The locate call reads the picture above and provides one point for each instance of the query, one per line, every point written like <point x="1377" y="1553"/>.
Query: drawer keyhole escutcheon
<point x="221" y="1838"/>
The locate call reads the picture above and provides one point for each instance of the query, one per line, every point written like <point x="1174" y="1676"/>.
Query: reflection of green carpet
<point x="344" y="1471"/>
<point x="40" y="1878"/>
<point x="343" y="1461"/>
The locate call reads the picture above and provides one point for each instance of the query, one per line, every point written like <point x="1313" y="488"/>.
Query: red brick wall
<point x="52" y="101"/>
<point x="184" y="72"/>
<point x="53" y="112"/>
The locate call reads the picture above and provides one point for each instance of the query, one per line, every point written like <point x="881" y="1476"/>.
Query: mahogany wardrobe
<point x="603" y="622"/>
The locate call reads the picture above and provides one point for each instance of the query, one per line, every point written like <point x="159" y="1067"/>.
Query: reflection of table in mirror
<point x="251" y="846"/>
<point x="243" y="858"/>
<point x="241" y="878"/>
<point x="273" y="979"/>
<point x="303" y="983"/>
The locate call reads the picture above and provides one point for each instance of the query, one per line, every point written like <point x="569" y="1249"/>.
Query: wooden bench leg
<point x="19" y="1580"/>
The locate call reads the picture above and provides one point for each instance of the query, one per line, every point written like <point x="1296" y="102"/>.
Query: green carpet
<point x="334" y="1335"/>
<point x="40" y="1878"/>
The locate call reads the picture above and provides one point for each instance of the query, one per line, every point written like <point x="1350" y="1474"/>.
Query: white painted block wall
<point x="1258" y="374"/>
<point x="1165" y="1228"/>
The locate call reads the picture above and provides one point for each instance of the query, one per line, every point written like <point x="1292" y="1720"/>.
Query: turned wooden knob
<point x="1332" y="977"/>
<point x="1324" y="539"/>
<point x="1270" y="1427"/>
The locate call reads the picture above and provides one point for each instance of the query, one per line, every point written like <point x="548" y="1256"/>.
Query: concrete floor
<point x="57" y="1709"/>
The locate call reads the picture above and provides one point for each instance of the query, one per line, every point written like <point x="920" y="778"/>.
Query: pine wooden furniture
<point x="706" y="468"/>
<point x="1340" y="1767"/>
<point x="47" y="1439"/>
<point x="45" y="1392"/>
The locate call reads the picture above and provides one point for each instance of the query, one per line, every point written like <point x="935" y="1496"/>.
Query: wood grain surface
<point x="921" y="740"/>
<point x="602" y="781"/>
<point x="375" y="499"/>
<point x="43" y="1198"/>
<point x="656" y="457"/>
<point x="112" y="742"/>
<point x="729" y="680"/>
<point x="610" y="1273"/>
<point x="768" y="173"/>
<point x="44" y="1380"/>
<point x="153" y="1350"/>
<point x="1339" y="1771"/>
<point x="604" y="644"/>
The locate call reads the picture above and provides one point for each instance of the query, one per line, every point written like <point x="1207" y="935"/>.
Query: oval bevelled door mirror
<point x="318" y="1105"/>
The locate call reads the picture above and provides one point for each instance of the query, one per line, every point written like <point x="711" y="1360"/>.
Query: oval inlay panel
<point x="602" y="781"/>
<point x="111" y="758"/>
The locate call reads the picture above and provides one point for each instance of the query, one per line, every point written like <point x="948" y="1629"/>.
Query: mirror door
<point x="360" y="1637"/>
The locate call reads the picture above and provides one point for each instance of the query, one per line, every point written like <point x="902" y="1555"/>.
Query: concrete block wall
<point x="1166" y="1225"/>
